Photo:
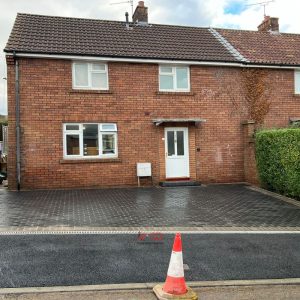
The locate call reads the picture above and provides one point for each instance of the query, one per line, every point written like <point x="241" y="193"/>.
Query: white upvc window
<point x="297" y="81"/>
<point x="174" y="78"/>
<point x="89" y="76"/>
<point x="90" y="140"/>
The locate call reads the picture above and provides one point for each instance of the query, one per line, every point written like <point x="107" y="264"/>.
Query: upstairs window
<point x="90" y="140"/>
<point x="92" y="76"/>
<point x="174" y="79"/>
<point x="297" y="81"/>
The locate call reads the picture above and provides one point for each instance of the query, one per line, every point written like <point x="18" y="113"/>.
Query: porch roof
<point x="158" y="122"/>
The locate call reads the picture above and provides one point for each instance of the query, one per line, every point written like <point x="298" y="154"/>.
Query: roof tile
<point x="265" y="47"/>
<point x="74" y="36"/>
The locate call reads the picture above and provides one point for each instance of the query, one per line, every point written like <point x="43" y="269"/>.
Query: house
<point x="3" y="146"/>
<point x="89" y="99"/>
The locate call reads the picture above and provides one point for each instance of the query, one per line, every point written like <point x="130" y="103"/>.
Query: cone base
<point x="161" y="295"/>
<point x="175" y="285"/>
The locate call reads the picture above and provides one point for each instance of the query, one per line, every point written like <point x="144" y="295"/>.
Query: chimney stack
<point x="140" y="13"/>
<point x="269" y="24"/>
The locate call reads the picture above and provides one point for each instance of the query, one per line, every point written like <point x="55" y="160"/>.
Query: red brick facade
<point x="216" y="148"/>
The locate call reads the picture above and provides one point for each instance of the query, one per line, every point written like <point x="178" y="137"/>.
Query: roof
<point x="39" y="34"/>
<point x="73" y="36"/>
<point x="265" y="47"/>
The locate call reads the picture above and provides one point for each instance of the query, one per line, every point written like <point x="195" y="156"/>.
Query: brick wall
<point x="250" y="169"/>
<point x="133" y="101"/>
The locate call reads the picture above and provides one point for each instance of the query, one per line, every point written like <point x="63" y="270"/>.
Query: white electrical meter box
<point x="143" y="169"/>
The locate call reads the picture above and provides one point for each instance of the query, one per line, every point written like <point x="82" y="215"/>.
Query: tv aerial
<point x="122" y="2"/>
<point x="264" y="4"/>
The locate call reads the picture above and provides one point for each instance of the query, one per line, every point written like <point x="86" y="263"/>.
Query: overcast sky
<point x="218" y="13"/>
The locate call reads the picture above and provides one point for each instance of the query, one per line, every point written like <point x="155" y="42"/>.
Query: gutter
<point x="124" y="59"/>
<point x="17" y="99"/>
<point x="241" y="64"/>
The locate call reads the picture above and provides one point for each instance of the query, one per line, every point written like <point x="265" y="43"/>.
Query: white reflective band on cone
<point x="176" y="265"/>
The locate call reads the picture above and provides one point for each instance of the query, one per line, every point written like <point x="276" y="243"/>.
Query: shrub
<point x="278" y="160"/>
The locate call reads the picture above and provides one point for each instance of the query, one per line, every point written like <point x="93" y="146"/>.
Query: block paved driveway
<point x="204" y="206"/>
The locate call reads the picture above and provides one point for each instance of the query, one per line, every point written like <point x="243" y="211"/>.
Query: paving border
<point x="146" y="286"/>
<point x="274" y="195"/>
<point x="145" y="230"/>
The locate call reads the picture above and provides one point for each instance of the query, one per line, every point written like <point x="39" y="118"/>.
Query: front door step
<point x="179" y="183"/>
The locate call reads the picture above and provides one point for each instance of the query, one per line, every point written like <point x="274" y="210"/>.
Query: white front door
<point x="177" y="152"/>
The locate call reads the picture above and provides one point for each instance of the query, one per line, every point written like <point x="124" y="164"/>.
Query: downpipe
<point x="17" y="100"/>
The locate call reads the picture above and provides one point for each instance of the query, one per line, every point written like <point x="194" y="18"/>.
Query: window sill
<point x="297" y="95"/>
<point x="74" y="91"/>
<point x="176" y="93"/>
<point x="89" y="160"/>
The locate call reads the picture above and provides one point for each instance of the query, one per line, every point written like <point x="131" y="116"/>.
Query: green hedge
<point x="278" y="160"/>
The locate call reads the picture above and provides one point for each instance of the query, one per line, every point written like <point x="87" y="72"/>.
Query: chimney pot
<point x="269" y="24"/>
<point x="140" y="13"/>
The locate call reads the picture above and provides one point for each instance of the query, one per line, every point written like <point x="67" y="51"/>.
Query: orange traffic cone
<point x="175" y="286"/>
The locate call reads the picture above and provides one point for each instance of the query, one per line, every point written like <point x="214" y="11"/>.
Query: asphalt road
<point x="55" y="260"/>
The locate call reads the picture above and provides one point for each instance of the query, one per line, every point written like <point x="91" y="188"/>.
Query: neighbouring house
<point x="89" y="99"/>
<point x="3" y="144"/>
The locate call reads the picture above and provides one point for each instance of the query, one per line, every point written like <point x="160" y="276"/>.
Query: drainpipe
<point x="17" y="98"/>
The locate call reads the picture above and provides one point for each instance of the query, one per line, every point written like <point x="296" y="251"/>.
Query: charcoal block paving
<point x="212" y="205"/>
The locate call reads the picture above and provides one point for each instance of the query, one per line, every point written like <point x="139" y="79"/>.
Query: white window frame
<point x="90" y="71"/>
<point x="70" y="132"/>
<point x="116" y="144"/>
<point x="108" y="130"/>
<point x="297" y="81"/>
<point x="174" y="74"/>
<point x="80" y="133"/>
